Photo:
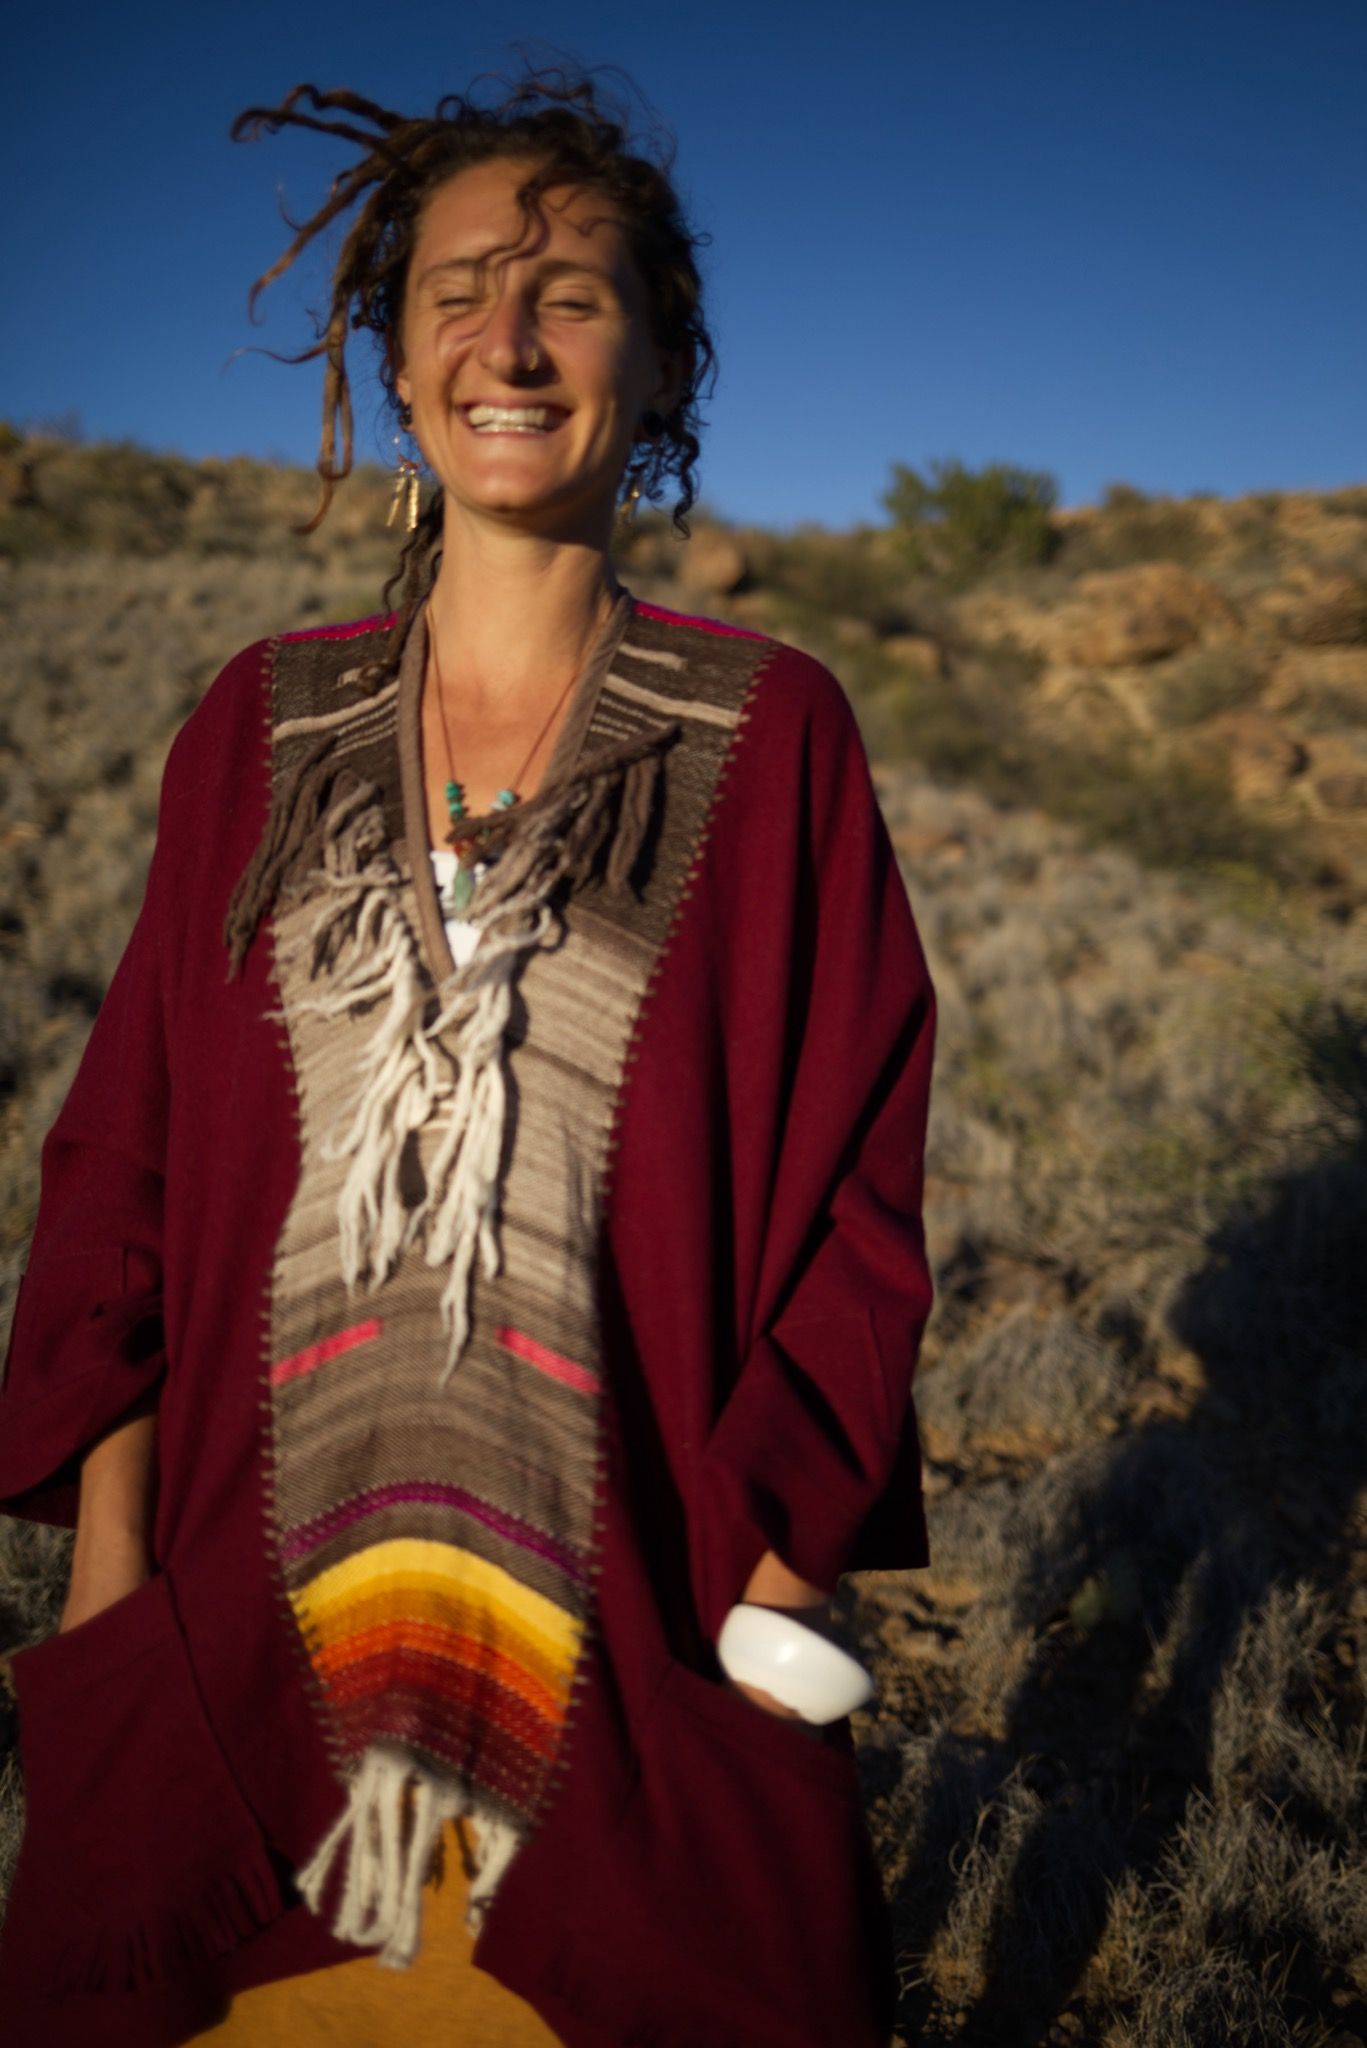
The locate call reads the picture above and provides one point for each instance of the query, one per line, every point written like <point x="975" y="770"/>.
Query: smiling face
<point x="525" y="352"/>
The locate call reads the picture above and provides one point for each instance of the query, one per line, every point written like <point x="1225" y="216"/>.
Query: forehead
<point x="475" y="212"/>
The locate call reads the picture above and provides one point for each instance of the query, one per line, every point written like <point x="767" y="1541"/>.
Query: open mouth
<point x="514" y="419"/>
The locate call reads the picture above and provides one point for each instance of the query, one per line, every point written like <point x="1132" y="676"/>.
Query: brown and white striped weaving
<point x="435" y="1359"/>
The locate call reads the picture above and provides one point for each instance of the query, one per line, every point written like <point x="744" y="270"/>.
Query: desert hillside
<point x="1117" y="1766"/>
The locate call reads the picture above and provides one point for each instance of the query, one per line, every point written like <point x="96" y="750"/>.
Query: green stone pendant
<point x="462" y="888"/>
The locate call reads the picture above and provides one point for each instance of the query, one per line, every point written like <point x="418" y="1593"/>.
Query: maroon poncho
<point x="704" y="1874"/>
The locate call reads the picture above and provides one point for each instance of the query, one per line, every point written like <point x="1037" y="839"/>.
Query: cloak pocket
<point x="740" y="1902"/>
<point x="139" y="1857"/>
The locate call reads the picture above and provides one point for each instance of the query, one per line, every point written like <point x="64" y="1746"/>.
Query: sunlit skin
<point x="556" y="314"/>
<point x="549" y="313"/>
<point x="525" y="580"/>
<point x="558" y="319"/>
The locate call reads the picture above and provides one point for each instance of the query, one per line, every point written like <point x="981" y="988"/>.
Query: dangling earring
<point x="626" y="511"/>
<point x="406" y="475"/>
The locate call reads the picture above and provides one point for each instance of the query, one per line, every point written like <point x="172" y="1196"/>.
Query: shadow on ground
<point x="1196" y="1523"/>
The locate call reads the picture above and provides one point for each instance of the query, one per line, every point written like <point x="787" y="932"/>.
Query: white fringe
<point x="409" y="1080"/>
<point x="388" y="1834"/>
<point x="467" y="1165"/>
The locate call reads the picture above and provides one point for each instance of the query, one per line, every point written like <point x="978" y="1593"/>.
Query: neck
<point x="515" y="613"/>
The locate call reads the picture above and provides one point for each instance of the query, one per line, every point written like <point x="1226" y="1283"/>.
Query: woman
<point x="445" y="1310"/>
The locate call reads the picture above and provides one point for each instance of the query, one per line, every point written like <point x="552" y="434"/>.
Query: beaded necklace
<point x="467" y="839"/>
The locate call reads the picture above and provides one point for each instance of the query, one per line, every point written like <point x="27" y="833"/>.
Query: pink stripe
<point x="657" y="611"/>
<point x="350" y="631"/>
<point x="548" y="1361"/>
<point x="318" y="1354"/>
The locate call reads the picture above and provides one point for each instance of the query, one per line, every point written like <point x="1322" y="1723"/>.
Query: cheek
<point x="626" y="384"/>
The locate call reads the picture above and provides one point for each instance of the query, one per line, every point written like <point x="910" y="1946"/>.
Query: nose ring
<point x="533" y="359"/>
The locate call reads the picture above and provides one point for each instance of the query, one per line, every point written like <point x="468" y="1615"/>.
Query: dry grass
<point x="1115" y="1770"/>
<point x="1117" y="1775"/>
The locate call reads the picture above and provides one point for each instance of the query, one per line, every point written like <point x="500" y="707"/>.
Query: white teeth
<point x="500" y="418"/>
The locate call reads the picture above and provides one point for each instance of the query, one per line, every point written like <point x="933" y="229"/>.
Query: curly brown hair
<point x="556" y="120"/>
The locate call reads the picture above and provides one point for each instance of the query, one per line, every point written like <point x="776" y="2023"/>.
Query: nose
<point x="508" y="344"/>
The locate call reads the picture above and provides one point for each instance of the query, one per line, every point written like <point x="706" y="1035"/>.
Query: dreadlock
<point x="551" y="118"/>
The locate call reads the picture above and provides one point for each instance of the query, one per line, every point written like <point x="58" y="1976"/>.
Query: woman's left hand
<point x="772" y="1584"/>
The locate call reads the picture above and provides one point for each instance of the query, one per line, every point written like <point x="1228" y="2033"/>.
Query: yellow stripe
<point x="548" y="1665"/>
<point x="407" y="1564"/>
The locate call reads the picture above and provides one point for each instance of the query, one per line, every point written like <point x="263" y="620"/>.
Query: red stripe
<point x="409" y="1714"/>
<point x="350" y="631"/>
<point x="449" y="1691"/>
<point x="547" y="1361"/>
<point x="318" y="1354"/>
<point x="728" y="632"/>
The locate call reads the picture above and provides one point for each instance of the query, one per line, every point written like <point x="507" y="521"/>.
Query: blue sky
<point x="1116" y="243"/>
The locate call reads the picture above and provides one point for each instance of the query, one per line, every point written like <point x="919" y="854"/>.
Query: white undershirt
<point x="461" y="934"/>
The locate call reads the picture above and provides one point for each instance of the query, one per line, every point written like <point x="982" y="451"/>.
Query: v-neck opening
<point x="565" y="758"/>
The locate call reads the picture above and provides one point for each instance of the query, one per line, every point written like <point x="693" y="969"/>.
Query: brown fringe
<point x="296" y="810"/>
<point x="122" y="1954"/>
<point x="607" y="803"/>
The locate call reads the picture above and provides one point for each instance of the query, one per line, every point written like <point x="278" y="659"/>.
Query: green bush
<point x="959" y="524"/>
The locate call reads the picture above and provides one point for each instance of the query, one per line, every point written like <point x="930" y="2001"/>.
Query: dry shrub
<point x="1170" y="814"/>
<point x="59" y="496"/>
<point x="1133" y="527"/>
<point x="1046" y="1379"/>
<point x="1203" y="682"/>
<point x="1211" y="2002"/>
<point x="838" y="575"/>
<point x="106" y="656"/>
<point x="1195" y="1186"/>
<point x="34" y="1562"/>
<point x="1273" y="1728"/>
<point x="1266" y="1867"/>
<point x="11" y="1819"/>
<point x="1119" y="1742"/>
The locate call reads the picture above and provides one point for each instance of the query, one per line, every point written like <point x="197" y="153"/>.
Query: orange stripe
<point x="451" y="1684"/>
<point x="427" y="1607"/>
<point x="452" y="1645"/>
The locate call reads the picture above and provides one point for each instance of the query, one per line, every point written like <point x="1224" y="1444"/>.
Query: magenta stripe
<point x="548" y="1361"/>
<point x="719" y="626"/>
<point x="351" y="630"/>
<point x="349" y="1512"/>
<point x="318" y="1354"/>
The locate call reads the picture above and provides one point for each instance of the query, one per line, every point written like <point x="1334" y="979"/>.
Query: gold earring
<point x="406" y="475"/>
<point x="626" y="511"/>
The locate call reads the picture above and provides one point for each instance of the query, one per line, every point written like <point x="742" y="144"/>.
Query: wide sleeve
<point x="814" y="1452"/>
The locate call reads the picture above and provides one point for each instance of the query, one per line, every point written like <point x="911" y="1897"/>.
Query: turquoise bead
<point x="506" y="797"/>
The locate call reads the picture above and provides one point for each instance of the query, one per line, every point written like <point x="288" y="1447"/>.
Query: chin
<point x="571" y="510"/>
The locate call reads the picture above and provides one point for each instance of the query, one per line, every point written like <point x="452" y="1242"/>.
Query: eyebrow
<point x="556" y="266"/>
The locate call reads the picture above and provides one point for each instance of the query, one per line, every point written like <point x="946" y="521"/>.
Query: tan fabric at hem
<point x="442" y="1996"/>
